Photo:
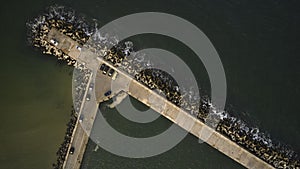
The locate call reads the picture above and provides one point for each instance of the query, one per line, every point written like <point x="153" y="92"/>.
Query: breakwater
<point x="122" y="55"/>
<point x="63" y="20"/>
<point x="76" y="28"/>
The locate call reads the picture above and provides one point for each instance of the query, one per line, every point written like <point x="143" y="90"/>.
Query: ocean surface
<point x="257" y="41"/>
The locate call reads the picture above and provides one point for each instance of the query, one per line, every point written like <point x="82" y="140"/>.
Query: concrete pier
<point x="126" y="83"/>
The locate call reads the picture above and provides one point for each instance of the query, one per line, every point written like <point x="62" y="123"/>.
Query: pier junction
<point x="142" y="93"/>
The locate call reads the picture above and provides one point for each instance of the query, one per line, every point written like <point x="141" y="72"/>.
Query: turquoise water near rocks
<point x="257" y="43"/>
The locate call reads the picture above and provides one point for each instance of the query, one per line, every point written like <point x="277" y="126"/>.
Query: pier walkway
<point x="126" y="83"/>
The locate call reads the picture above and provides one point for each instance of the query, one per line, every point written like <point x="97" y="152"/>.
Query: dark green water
<point x="258" y="43"/>
<point x="35" y="95"/>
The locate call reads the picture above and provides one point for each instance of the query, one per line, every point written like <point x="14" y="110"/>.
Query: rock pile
<point x="63" y="149"/>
